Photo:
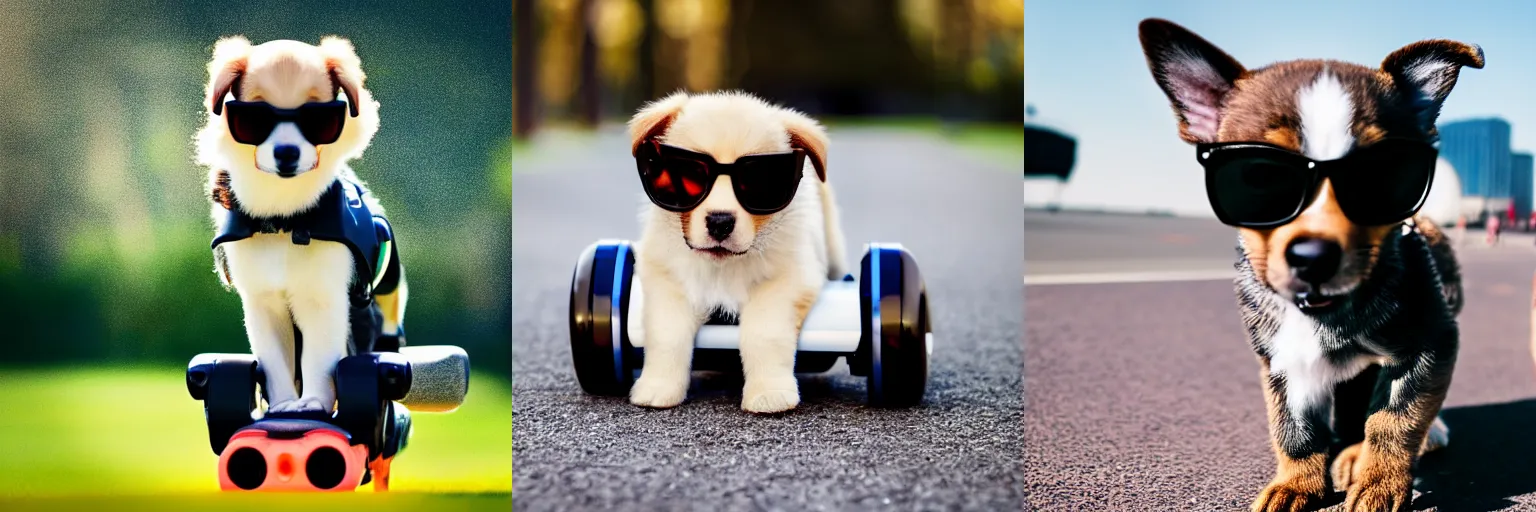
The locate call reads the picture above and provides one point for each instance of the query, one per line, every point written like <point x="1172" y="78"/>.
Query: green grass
<point x="132" y="439"/>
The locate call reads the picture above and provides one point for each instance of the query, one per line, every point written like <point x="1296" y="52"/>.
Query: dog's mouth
<point x="718" y="252"/>
<point x="1314" y="302"/>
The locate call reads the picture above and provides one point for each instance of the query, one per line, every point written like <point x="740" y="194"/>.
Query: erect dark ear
<point x="1426" y="71"/>
<point x="1194" y="74"/>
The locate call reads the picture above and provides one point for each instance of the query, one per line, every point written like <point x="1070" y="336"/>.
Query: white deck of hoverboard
<point x="831" y="326"/>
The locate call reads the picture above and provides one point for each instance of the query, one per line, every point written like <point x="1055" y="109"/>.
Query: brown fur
<point x="222" y="194"/>
<point x="1299" y="484"/>
<point x="1376" y="473"/>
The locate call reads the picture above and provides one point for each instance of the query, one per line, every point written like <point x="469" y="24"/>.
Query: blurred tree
<point x="524" y="93"/>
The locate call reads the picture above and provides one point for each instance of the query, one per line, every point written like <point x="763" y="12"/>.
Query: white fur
<point x="1326" y="116"/>
<point x="286" y="134"/>
<point x="1297" y="354"/>
<point x="282" y="285"/>
<point x="789" y="257"/>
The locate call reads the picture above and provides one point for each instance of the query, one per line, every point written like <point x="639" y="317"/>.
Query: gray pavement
<point x="961" y="450"/>
<point x="1145" y="396"/>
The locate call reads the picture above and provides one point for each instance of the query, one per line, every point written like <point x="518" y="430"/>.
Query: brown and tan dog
<point x="1351" y="321"/>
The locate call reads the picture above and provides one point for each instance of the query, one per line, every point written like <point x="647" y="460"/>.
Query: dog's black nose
<point x="287" y="157"/>
<point x="720" y="224"/>
<point x="1314" y="260"/>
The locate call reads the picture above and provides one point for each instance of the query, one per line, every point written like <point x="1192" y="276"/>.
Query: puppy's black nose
<point x="287" y="157"/>
<point x="1314" y="260"/>
<point x="720" y="224"/>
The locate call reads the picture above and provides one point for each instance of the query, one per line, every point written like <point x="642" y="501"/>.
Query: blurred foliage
<point x="104" y="219"/>
<point x="601" y="59"/>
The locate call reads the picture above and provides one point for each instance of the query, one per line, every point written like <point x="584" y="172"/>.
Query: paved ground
<point x="1145" y="396"/>
<point x="961" y="450"/>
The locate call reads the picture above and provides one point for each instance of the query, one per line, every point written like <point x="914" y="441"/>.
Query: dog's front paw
<point x="306" y="404"/>
<point x="1286" y="497"/>
<point x="771" y="395"/>
<point x="1376" y="492"/>
<point x="657" y="393"/>
<point x="1346" y="467"/>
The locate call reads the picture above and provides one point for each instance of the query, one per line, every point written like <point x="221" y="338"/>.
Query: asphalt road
<point x="1145" y="395"/>
<point x="962" y="449"/>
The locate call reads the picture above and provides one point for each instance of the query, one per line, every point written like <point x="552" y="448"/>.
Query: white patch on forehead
<point x="1326" y="115"/>
<point x="1296" y="353"/>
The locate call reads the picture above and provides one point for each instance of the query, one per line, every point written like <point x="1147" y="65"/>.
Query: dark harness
<point x="340" y="216"/>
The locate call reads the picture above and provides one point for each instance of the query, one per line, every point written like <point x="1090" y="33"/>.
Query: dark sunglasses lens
<point x="673" y="183"/>
<point x="1385" y="183"/>
<point x="767" y="184"/>
<point x="1257" y="190"/>
<point x="250" y="124"/>
<point x="322" y="124"/>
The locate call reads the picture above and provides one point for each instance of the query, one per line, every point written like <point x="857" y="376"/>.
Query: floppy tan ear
<point x="654" y="118"/>
<point x="225" y="70"/>
<point x="345" y="67"/>
<point x="807" y="134"/>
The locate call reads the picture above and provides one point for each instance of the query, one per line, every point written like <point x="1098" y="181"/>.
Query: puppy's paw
<point x="770" y="395"/>
<point x="306" y="404"/>
<point x="1439" y="436"/>
<point x="1286" y="497"/>
<point x="1379" y="493"/>
<point x="1346" y="467"/>
<point x="658" y="393"/>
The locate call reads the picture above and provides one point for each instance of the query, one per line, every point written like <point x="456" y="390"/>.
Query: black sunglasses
<point x="250" y="122"/>
<point x="678" y="180"/>
<point x="1258" y="185"/>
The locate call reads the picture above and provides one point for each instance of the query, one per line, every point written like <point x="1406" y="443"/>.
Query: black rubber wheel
<point x="600" y="286"/>
<point x="893" y="347"/>
<point x="228" y="389"/>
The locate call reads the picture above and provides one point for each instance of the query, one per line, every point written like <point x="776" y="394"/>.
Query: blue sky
<point x="1084" y="72"/>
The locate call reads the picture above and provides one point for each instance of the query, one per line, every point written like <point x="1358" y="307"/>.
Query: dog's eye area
<point x="662" y="179"/>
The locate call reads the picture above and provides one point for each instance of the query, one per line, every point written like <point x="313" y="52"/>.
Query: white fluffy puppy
<point x="280" y="174"/>
<point x="764" y="269"/>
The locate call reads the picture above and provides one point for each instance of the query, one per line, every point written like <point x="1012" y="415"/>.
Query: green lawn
<point x="132" y="439"/>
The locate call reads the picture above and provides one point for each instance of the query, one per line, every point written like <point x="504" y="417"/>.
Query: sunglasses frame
<point x="654" y="149"/>
<point x="1317" y="170"/>
<point x="282" y="115"/>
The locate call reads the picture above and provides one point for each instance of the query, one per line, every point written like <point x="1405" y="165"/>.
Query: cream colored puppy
<point x="764" y="269"/>
<point x="283" y="284"/>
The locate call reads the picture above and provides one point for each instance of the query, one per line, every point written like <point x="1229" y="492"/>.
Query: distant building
<point x="1479" y="149"/>
<point x="1520" y="184"/>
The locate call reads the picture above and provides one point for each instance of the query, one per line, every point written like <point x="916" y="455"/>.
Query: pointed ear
<point x="1195" y="75"/>
<point x="225" y="70"/>
<point x="654" y="118"/>
<point x="345" y="68"/>
<point x="805" y="133"/>
<point x="1426" y="71"/>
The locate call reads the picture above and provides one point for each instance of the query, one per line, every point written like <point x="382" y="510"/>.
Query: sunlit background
<point x="106" y="278"/>
<point x="1087" y="78"/>
<point x="955" y="66"/>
